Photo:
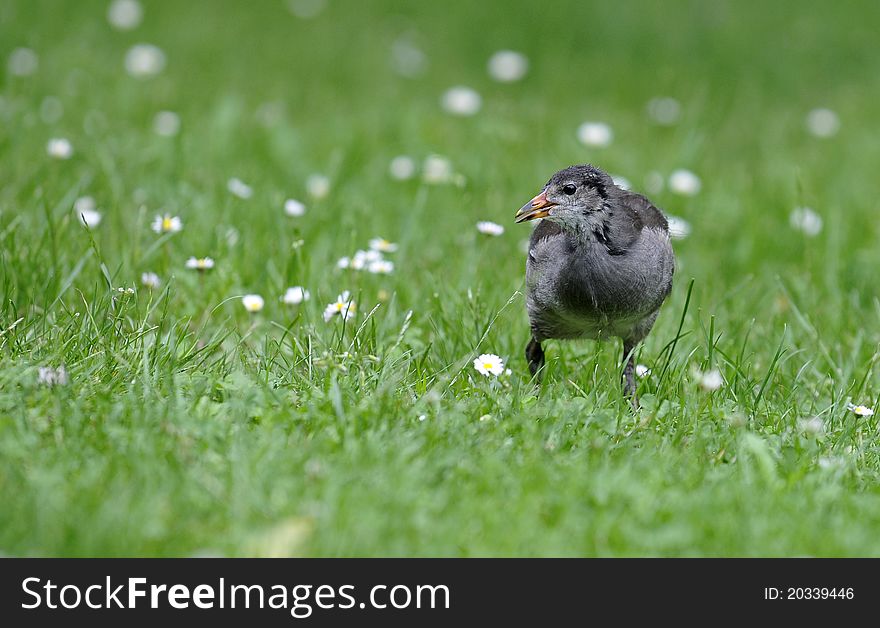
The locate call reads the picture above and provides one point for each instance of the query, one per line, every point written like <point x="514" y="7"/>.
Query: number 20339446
<point x="809" y="593"/>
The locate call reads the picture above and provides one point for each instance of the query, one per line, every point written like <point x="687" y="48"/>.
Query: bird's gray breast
<point x="579" y="289"/>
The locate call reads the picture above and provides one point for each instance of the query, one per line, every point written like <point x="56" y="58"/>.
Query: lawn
<point x="183" y="424"/>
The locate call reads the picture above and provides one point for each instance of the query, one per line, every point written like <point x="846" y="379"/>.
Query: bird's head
<point x="573" y="197"/>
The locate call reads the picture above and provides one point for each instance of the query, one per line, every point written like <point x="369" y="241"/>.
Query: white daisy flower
<point x="710" y="380"/>
<point x="166" y="124"/>
<point x="461" y="101"/>
<point x="407" y="59"/>
<point x="23" y="62"/>
<point x="437" y="169"/>
<point x="367" y="257"/>
<point x="684" y="182"/>
<point x="489" y="364"/>
<point x="91" y="218"/>
<point x="806" y="221"/>
<point x="166" y="223"/>
<point x="59" y="148"/>
<point x="125" y="15"/>
<point x="679" y="228"/>
<point x="293" y="207"/>
<point x="144" y="60"/>
<point x="318" y="186"/>
<point x="642" y="370"/>
<point x="382" y="245"/>
<point x="296" y="295"/>
<point x="595" y="134"/>
<point x="507" y="66"/>
<point x="200" y="263"/>
<point x="490" y="228"/>
<point x="52" y="376"/>
<point x="239" y="188"/>
<point x="343" y="306"/>
<point x="864" y="411"/>
<point x="402" y="168"/>
<point x="150" y="280"/>
<point x="344" y="262"/>
<point x="665" y="111"/>
<point x="253" y="303"/>
<point x="823" y="122"/>
<point x="381" y="267"/>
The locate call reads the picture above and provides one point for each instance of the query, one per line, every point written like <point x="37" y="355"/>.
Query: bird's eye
<point x="569" y="189"/>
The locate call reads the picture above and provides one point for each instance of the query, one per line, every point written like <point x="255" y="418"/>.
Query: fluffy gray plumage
<point x="600" y="264"/>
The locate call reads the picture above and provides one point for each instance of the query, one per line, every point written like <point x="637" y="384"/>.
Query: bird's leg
<point x="535" y="356"/>
<point x="629" y="368"/>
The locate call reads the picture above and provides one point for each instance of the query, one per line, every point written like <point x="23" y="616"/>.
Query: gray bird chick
<point x="599" y="265"/>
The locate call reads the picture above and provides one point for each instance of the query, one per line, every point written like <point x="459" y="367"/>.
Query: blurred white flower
<point x="59" y="148"/>
<point x="91" y="218"/>
<point x="595" y="134"/>
<point x="52" y="376"/>
<point x="200" y="263"/>
<point x="654" y="182"/>
<point x="679" y="228"/>
<point x="23" y="62"/>
<point x="84" y="203"/>
<point x="710" y="380"/>
<point x="293" y="207"/>
<point x="252" y="302"/>
<point x="642" y="370"/>
<point x="622" y="182"/>
<point x="437" y="169"/>
<point x="407" y="59"/>
<point x="665" y="111"/>
<point x="402" y="168"/>
<point x="239" y="188"/>
<point x="814" y="426"/>
<point x="306" y="9"/>
<point x="296" y="295"/>
<point x="382" y="245"/>
<point x="166" y="124"/>
<point x="507" y="66"/>
<point x="144" y="60"/>
<point x="51" y="110"/>
<point x="461" y="101"/>
<point x="150" y="280"/>
<point x="318" y="186"/>
<point x="490" y="228"/>
<point x="684" y="182"/>
<point x="166" y="223"/>
<point x="806" y="221"/>
<point x="823" y="122"/>
<point x="360" y="260"/>
<point x="125" y="15"/>
<point x="381" y="267"/>
<point x="489" y="364"/>
<point x="343" y="306"/>
<point x="864" y="411"/>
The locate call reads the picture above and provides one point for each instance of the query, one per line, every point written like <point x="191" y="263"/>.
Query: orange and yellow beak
<point x="538" y="207"/>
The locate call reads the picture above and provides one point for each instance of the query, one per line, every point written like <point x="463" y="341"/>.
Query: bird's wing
<point x="648" y="214"/>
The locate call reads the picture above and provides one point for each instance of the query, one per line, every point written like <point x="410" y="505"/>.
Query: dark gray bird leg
<point x="629" y="372"/>
<point x="535" y="356"/>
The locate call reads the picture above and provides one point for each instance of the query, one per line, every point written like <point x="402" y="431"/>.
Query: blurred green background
<point x="192" y="426"/>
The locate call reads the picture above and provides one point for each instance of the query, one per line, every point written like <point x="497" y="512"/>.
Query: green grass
<point x="192" y="427"/>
